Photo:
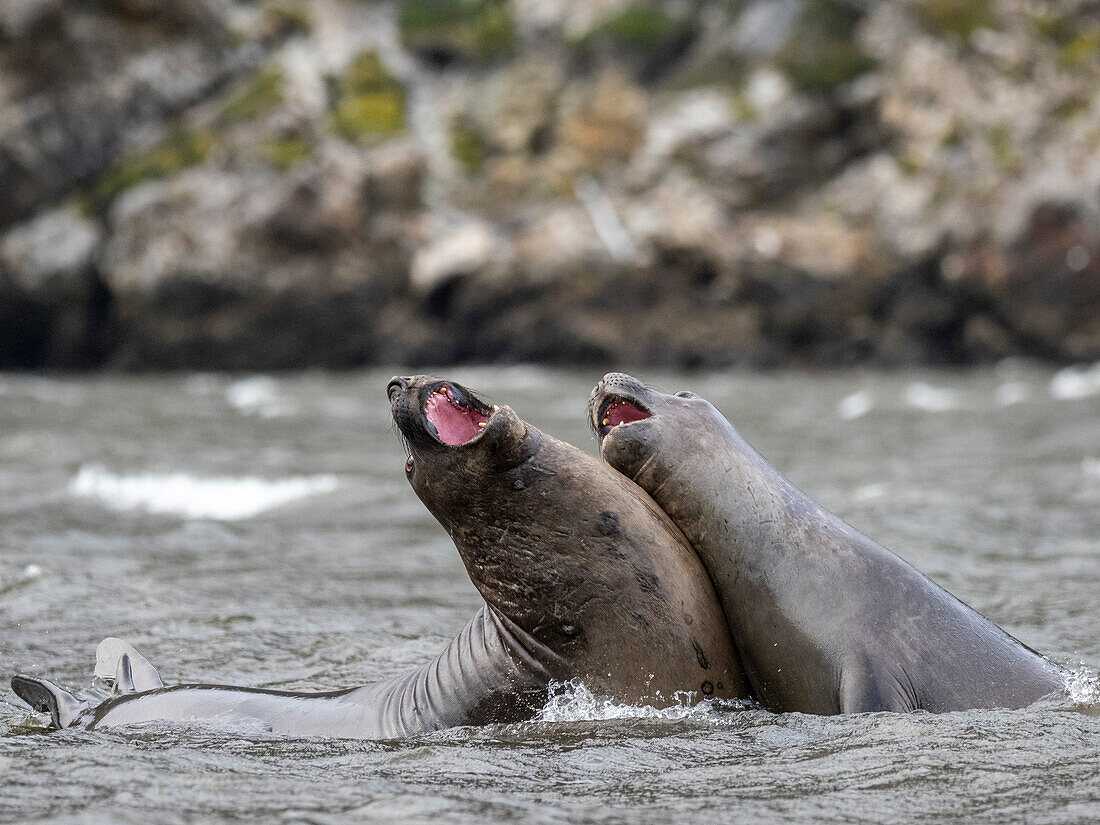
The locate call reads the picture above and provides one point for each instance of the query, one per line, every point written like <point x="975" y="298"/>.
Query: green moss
<point x="744" y="109"/>
<point x="370" y="101"/>
<point x="1004" y="152"/>
<point x="284" y="152"/>
<point x="1081" y="50"/>
<point x="262" y="92"/>
<point x="910" y="165"/>
<point x="468" y="147"/>
<point x="644" y="34"/>
<point x="1058" y="28"/>
<point x="287" y="18"/>
<point x="1069" y="108"/>
<point x="645" y="30"/>
<point x="177" y="152"/>
<point x="958" y="17"/>
<point x="472" y="30"/>
<point x="822" y="52"/>
<point x="953" y="139"/>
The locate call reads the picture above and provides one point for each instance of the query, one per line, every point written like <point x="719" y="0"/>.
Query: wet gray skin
<point x="582" y="574"/>
<point x="824" y="619"/>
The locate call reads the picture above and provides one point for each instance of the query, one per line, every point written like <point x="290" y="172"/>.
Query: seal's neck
<point x="490" y="672"/>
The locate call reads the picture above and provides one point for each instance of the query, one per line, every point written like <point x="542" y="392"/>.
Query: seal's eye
<point x="686" y="394"/>
<point x="409" y="465"/>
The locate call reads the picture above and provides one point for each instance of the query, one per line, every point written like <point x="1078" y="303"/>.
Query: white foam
<point x="931" y="399"/>
<point x="1072" y="383"/>
<point x="260" y="395"/>
<point x="856" y="405"/>
<point x="180" y="494"/>
<point x="573" y="702"/>
<point x="1083" y="686"/>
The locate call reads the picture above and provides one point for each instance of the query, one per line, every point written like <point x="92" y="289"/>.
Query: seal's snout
<point x="397" y="384"/>
<point x="617" y="400"/>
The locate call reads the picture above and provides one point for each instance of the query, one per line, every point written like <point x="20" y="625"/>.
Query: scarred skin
<point x="824" y="619"/>
<point x="582" y="574"/>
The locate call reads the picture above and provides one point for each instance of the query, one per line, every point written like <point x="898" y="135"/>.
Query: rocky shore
<point x="283" y="184"/>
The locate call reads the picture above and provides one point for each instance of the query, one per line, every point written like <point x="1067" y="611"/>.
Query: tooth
<point x="606" y="421"/>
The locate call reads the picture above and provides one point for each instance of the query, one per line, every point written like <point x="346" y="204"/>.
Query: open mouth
<point x="616" y="410"/>
<point x="455" y="417"/>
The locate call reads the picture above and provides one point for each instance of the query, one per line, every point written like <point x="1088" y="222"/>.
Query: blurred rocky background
<point x="281" y="184"/>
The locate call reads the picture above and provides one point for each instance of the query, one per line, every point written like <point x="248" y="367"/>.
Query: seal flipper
<point x="118" y="663"/>
<point x="46" y="697"/>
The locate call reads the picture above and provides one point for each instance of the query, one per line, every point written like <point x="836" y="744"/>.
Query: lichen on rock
<point x="370" y="102"/>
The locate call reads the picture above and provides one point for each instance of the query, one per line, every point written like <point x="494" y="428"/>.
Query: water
<point x="260" y="531"/>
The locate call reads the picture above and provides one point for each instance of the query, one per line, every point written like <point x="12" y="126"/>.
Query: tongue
<point x="454" y="424"/>
<point x="623" y="412"/>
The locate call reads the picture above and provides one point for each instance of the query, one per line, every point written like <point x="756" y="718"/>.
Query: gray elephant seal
<point x="825" y="620"/>
<point x="582" y="574"/>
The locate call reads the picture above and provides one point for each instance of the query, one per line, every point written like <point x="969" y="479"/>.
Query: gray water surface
<point x="146" y="508"/>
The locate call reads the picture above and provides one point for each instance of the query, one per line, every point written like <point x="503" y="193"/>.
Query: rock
<point x="602" y="124"/>
<point x="51" y="302"/>
<point x="29" y="19"/>
<point x="464" y="248"/>
<point x="51" y="256"/>
<point x="557" y="242"/>
<point x="396" y="172"/>
<point x="766" y="25"/>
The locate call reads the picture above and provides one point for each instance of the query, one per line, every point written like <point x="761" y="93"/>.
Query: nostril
<point x="397" y="384"/>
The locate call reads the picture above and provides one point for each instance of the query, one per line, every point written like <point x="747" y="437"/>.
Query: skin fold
<point x="825" y="620"/>
<point x="583" y="576"/>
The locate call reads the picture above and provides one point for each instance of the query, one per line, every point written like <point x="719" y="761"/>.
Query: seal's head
<point x="637" y="425"/>
<point x="453" y="433"/>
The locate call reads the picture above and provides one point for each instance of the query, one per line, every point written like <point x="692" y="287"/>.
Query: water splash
<point x="572" y="701"/>
<point x="1083" y="686"/>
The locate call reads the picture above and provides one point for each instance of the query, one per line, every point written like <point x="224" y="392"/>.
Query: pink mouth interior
<point x="622" y="411"/>
<point x="453" y="423"/>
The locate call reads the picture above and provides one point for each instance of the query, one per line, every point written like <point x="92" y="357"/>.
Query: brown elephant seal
<point x="586" y="572"/>
<point x="584" y="577"/>
<point x="825" y="620"/>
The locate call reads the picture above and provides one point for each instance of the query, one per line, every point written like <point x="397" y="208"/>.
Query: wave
<point x="1072" y="383"/>
<point x="260" y="395"/>
<point x="856" y="405"/>
<point x="191" y="497"/>
<point x="931" y="399"/>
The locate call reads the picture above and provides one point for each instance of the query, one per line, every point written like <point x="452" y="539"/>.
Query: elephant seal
<point x="825" y="620"/>
<point x="583" y="576"/>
